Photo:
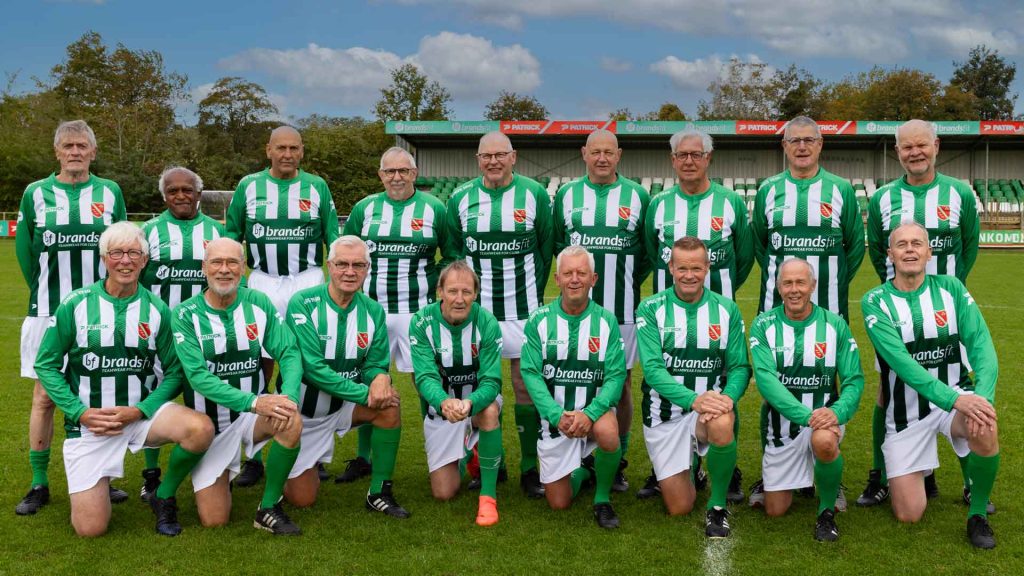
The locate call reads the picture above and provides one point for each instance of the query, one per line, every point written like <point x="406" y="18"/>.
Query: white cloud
<point x="473" y="67"/>
<point x="961" y="39"/>
<point x="615" y="64"/>
<point x="698" y="74"/>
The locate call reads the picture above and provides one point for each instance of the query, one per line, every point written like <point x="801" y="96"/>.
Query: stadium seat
<point x="646" y="182"/>
<point x="727" y="182"/>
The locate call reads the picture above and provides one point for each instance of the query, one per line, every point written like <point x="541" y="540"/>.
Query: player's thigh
<point x="90" y="509"/>
<point x="488" y="418"/>
<point x="265" y="429"/>
<point x="605" y="432"/>
<point x="908" y="496"/>
<point x="176" y="424"/>
<point x="214" y="502"/>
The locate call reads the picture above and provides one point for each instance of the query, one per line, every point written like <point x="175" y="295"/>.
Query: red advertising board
<point x="1000" y="127"/>
<point x="523" y="126"/>
<point x="833" y="127"/>
<point x="763" y="127"/>
<point x="12" y="226"/>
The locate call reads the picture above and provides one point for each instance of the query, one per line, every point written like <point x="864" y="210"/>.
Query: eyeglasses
<point x="132" y="254"/>
<point x="499" y="156"/>
<point x="355" y="266"/>
<point x="807" y="141"/>
<point x="692" y="156"/>
<point x="392" y="172"/>
<point x="217" y="263"/>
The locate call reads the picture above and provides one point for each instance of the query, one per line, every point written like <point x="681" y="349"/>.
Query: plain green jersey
<point x="816" y="219"/>
<point x="58" y="235"/>
<point x="945" y="207"/>
<point x="285" y="223"/>
<point x="687" y="349"/>
<point x="176" y="252"/>
<point x="803" y="365"/>
<point x="505" y="236"/>
<point x="572" y="363"/>
<point x="343" y="349"/>
<point x="220" y="353"/>
<point x="607" y="220"/>
<point x="925" y="343"/>
<point x="403" y="238"/>
<point x="119" y="352"/>
<point x="450" y="361"/>
<point x="718" y="216"/>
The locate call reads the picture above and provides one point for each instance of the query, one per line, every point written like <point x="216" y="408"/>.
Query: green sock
<point x="606" y="464"/>
<point x="623" y="444"/>
<point x="528" y="424"/>
<point x="877" y="438"/>
<point x="39" y="460"/>
<point x="152" y="457"/>
<point x="489" y="449"/>
<point x="827" y="476"/>
<point x="279" y="464"/>
<point x="364" y="434"/>
<point x="577" y="479"/>
<point x="384" y="447"/>
<point x="983" y="477"/>
<point x="179" y="466"/>
<point x="965" y="470"/>
<point x="720" y="462"/>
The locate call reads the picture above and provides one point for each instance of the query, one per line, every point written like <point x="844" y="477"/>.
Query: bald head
<point x="915" y="127"/>
<point x="495" y="140"/>
<point x="602" y="155"/>
<point x="224" y="247"/>
<point x="797" y="266"/>
<point x="602" y="136"/>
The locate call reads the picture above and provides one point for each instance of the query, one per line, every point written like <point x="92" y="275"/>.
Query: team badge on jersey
<point x="519" y="215"/>
<point x="416" y="224"/>
<point x="305" y="204"/>
<point x="717" y="223"/>
<point x="252" y="331"/>
<point x="820" y="348"/>
<point x="941" y="318"/>
<point x="942" y="211"/>
<point x="474" y="350"/>
<point x="594" y="344"/>
<point x="714" y="331"/>
<point x="144" y="330"/>
<point x="625" y="212"/>
<point x="97" y="209"/>
<point x="826" y="210"/>
<point x="363" y="340"/>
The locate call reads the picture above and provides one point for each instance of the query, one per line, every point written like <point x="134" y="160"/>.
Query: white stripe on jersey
<point x="108" y="388"/>
<point x="703" y="320"/>
<point x="814" y="195"/>
<point x="134" y="390"/>
<point x="583" y="339"/>
<point x="84" y="389"/>
<point x="447" y="351"/>
<point x="611" y="212"/>
<point x="85" y="205"/>
<point x="108" y="321"/>
<point x="837" y="209"/>
<point x="131" y="324"/>
<point x="220" y="340"/>
<point x="789" y="214"/>
<point x="902" y="315"/>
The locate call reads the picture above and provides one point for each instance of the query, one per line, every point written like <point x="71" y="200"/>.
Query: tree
<point x="801" y="94"/>
<point x="622" y="114"/>
<point x="668" y="112"/>
<point x="896" y="94"/>
<point x="346" y="153"/>
<point x="233" y="124"/>
<point x="987" y="76"/>
<point x="749" y="90"/>
<point x="412" y="96"/>
<point x="512" y="106"/>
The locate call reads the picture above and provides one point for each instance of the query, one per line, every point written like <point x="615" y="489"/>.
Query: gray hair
<point x="495" y="135"/>
<point x="805" y="122"/>
<point x="197" y="182"/>
<point x="706" y="143"/>
<point x="122" y="233"/>
<point x="458" y="267"/>
<point x="349" y="240"/>
<point x="574" y="251"/>
<point x="228" y="241"/>
<point x="794" y="262"/>
<point x="602" y="132"/>
<point x="915" y="122"/>
<point x="916" y="225"/>
<point x="73" y="127"/>
<point x="396" y="151"/>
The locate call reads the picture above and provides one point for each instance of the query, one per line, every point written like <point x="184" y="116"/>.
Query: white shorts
<point x="398" y="336"/>
<point x="225" y="453"/>
<point x="628" y="332"/>
<point x="32" y="330"/>
<point x="318" y="438"/>
<point x="512" y="336"/>
<point x="671" y="444"/>
<point x="282" y="288"/>
<point x="915" y="449"/>
<point x="791" y="466"/>
<point x="560" y="455"/>
<point x="89" y="458"/>
<point x="446" y="442"/>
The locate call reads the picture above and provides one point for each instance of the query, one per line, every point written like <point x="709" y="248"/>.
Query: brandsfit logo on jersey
<point x="940" y="243"/>
<point x="382" y="247"/>
<point x="707" y="364"/>
<point x="131" y="364"/>
<point x="936" y="356"/>
<point x="815" y="382"/>
<point x="605" y="242"/>
<point x="499" y="248"/>
<point x="63" y="240"/>
<point x="811" y="244"/>
<point x="580" y="377"/>
<point x="188" y="275"/>
<point x="239" y="368"/>
<point x="291" y="233"/>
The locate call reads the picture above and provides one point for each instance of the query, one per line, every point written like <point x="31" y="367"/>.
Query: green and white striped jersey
<point x="945" y="207"/>
<point x="572" y="363"/>
<point x="220" y="354"/>
<point x="58" y="235"/>
<point x="718" y="216"/>
<point x="176" y="252"/>
<point x="816" y="219"/>
<point x="461" y="361"/>
<point x="285" y="223"/>
<point x="607" y="220"/>
<point x="117" y="350"/>
<point x="803" y="365"/>
<point x="505" y="235"/>
<point x="343" y="349"/>
<point x="403" y="238"/>
<point x="687" y="349"/>
<point x="923" y="342"/>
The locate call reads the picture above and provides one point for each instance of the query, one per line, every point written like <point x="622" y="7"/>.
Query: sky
<point x="581" y="59"/>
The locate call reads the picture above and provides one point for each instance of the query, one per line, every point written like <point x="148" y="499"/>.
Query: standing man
<point x="456" y="350"/>
<point x="810" y="213"/>
<point x="501" y="222"/>
<point x="574" y="368"/>
<point x="604" y="213"/>
<point x="946" y="208"/>
<point x="219" y="335"/>
<point x="285" y="216"/>
<point x="404" y="229"/>
<point x="343" y="338"/>
<point x="115" y="338"/>
<point x="928" y="333"/>
<point x="177" y="243"/>
<point x="57" y="238"/>
<point x="808" y="371"/>
<point x="694" y="357"/>
<point x="700" y="208"/>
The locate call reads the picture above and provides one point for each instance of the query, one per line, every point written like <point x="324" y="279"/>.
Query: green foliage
<point x="27" y="123"/>
<point x="512" y="106"/>
<point x="346" y="153"/>
<point x="897" y="94"/>
<point x="413" y="96"/>
<point x="987" y="76"/>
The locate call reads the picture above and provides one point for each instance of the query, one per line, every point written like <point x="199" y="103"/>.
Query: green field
<point x="341" y="537"/>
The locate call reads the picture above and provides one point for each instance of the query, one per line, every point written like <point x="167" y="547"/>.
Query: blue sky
<point x="580" y="58"/>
